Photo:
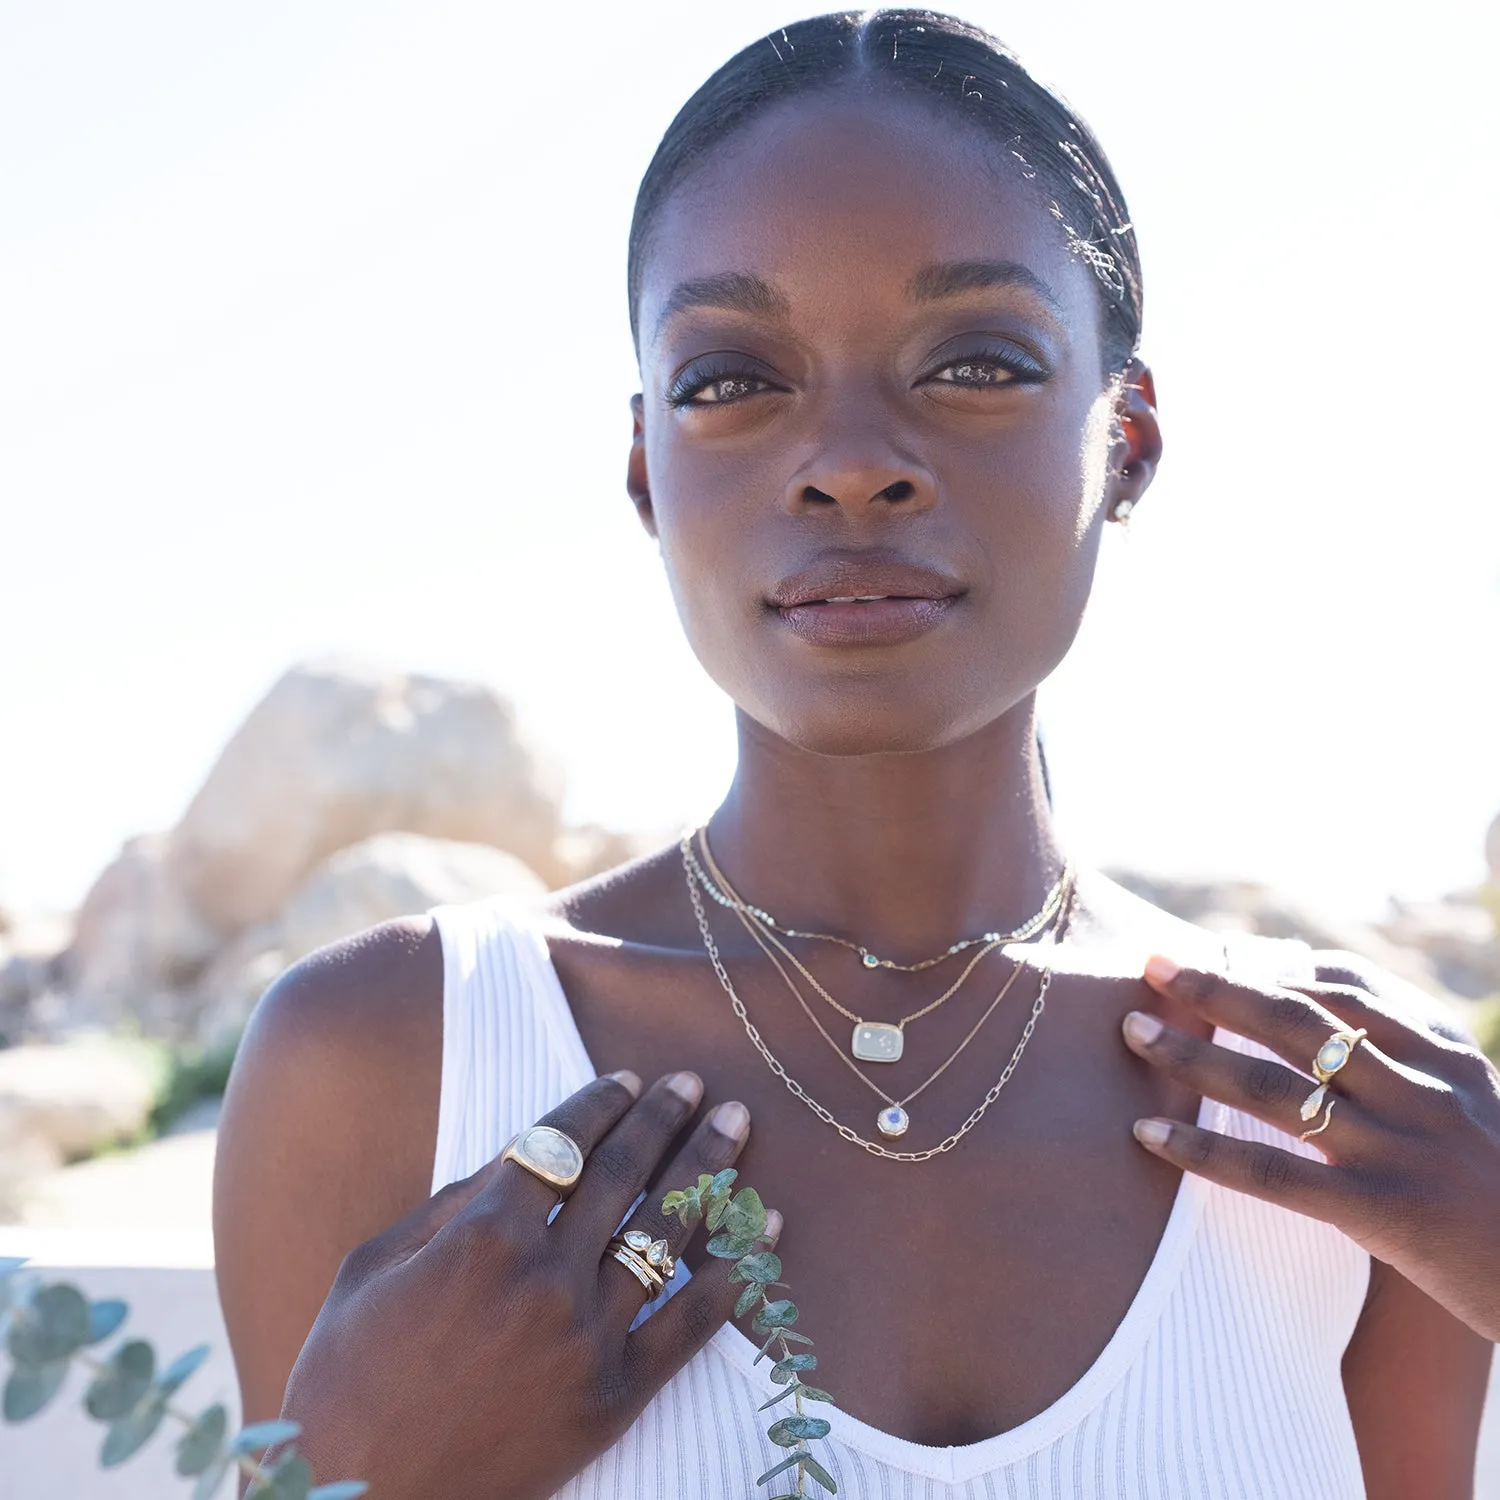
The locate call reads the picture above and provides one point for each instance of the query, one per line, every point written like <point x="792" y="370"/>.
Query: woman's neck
<point x="908" y="852"/>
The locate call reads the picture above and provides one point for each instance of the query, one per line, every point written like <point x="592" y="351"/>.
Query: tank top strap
<point x="511" y="1050"/>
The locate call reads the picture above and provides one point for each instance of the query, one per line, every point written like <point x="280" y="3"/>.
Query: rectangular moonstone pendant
<point x="877" y="1041"/>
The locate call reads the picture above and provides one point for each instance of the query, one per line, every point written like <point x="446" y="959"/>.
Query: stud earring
<point x="1123" y="509"/>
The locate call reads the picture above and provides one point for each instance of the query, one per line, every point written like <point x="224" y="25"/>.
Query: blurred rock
<point x="1455" y="936"/>
<point x="58" y="1103"/>
<point x="30" y="942"/>
<point x="336" y="753"/>
<point x="589" y="850"/>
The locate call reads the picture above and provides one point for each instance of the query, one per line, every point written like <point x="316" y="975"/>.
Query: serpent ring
<point x="548" y="1154"/>
<point x="1332" y="1056"/>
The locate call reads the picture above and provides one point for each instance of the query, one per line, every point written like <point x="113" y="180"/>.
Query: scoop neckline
<point x="954" y="1464"/>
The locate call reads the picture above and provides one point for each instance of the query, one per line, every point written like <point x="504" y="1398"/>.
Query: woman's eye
<point x="1014" y="367"/>
<point x="714" y="388"/>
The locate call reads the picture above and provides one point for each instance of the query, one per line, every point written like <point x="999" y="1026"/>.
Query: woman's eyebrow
<point x="732" y="291"/>
<point x="951" y="278"/>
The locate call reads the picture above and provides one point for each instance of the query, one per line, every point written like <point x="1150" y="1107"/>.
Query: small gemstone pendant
<point x="877" y="1042"/>
<point x="870" y="961"/>
<point x="1314" y="1101"/>
<point x="892" y="1121"/>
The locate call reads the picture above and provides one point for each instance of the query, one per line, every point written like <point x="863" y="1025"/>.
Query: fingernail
<point x="628" y="1080"/>
<point x="1152" y="1132"/>
<point x="687" y="1086"/>
<point x="1142" y="1027"/>
<point x="773" y="1225"/>
<point x="1162" y="970"/>
<point x="732" y="1119"/>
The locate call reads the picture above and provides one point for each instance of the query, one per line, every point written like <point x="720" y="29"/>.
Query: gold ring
<point x="639" y="1269"/>
<point x="548" y="1154"/>
<point x="1332" y="1056"/>
<point x="650" y="1259"/>
<point x="1327" y="1115"/>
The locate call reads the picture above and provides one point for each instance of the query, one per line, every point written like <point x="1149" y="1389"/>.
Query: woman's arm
<point x="1416" y="1380"/>
<point x="327" y="1137"/>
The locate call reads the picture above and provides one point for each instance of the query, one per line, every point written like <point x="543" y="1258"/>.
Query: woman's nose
<point x="861" y="476"/>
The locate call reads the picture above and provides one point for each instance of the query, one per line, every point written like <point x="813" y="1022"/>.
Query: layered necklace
<point x="893" y="1120"/>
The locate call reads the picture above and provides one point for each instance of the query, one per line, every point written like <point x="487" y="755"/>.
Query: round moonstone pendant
<point x="892" y="1121"/>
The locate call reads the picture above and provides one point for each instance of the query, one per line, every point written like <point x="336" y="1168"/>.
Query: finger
<point x="688" y="1319"/>
<point x="1419" y="1038"/>
<point x="1290" y="1023"/>
<point x="512" y="1193"/>
<point x="714" y="1145"/>
<point x="1259" y="1086"/>
<point x="1296" y="1182"/>
<point x="620" y="1166"/>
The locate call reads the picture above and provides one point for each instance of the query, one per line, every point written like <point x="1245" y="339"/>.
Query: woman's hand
<point x="476" y="1349"/>
<point x="1412" y="1145"/>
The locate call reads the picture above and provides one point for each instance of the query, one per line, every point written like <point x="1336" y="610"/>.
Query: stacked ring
<point x="1332" y="1056"/>
<point x="649" y="1261"/>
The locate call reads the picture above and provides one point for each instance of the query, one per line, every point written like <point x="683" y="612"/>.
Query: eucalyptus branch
<point x="737" y="1226"/>
<point x="47" y="1329"/>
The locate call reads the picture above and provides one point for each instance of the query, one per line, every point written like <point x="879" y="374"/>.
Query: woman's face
<point x="871" y="371"/>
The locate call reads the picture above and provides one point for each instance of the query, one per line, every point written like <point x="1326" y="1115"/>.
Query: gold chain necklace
<point x="1027" y="929"/>
<point x="871" y="1041"/>
<point x="826" y="1115"/>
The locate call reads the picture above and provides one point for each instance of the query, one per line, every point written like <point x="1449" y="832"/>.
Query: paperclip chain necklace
<point x="871" y="1041"/>
<point x="726" y="898"/>
<point x="796" y="1089"/>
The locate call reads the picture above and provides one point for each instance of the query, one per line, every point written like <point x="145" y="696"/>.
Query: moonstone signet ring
<point x="548" y="1154"/>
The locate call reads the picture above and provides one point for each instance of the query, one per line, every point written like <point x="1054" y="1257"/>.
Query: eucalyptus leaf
<point x="718" y="1207"/>
<point x="211" y="1478"/>
<point x="31" y="1387"/>
<point x="791" y="1390"/>
<point x="705" y="1184"/>
<point x="791" y="1430"/>
<point x="291" y="1479"/>
<point x="765" y="1348"/>
<point x="104" y="1318"/>
<point x="202" y="1444"/>
<point x="748" y="1298"/>
<point x="730" y="1246"/>
<point x="723" y="1181"/>
<point x="132" y="1431"/>
<point x="783" y="1370"/>
<point x="810" y="1465"/>
<point x="345" y="1489"/>
<point x="747" y="1215"/>
<point x="812" y="1393"/>
<point x="779" y="1314"/>
<point x="52" y="1325"/>
<point x="263" y="1434"/>
<point x="781" y="1468"/>
<point x="117" y="1389"/>
<point x="673" y="1201"/>
<point x="764" y="1266"/>
<point x="796" y="1338"/>
<point x="181" y="1368"/>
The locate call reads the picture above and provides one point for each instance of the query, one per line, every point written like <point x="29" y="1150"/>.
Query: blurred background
<point x="323" y="600"/>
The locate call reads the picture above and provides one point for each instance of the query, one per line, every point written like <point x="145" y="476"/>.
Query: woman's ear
<point x="1137" y="447"/>
<point x="637" y="486"/>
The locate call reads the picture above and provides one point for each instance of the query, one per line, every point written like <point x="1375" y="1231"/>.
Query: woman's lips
<point x="865" y="622"/>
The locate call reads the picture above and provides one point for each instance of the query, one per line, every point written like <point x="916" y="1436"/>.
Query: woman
<point x="886" y="301"/>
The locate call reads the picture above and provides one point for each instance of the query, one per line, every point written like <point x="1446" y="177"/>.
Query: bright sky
<point x="313" y="338"/>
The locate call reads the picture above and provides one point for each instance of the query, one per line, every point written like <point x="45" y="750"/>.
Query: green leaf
<point x="705" y="1184"/>
<point x="791" y="1430"/>
<point x="262" y="1435"/>
<point x="810" y="1465"/>
<point x="31" y="1387"/>
<point x="781" y="1468"/>
<point x="730" y="1246"/>
<point x="779" y="1314"/>
<point x="764" y="1266"/>
<point x="203" y="1442"/>
<point x="181" y="1368"/>
<point x="723" y="1181"/>
<point x="718" y="1206"/>
<point x="291" y="1479"/>
<point x="783" y="1370"/>
<point x="791" y="1390"/>
<point x="345" y="1489"/>
<point x="105" y="1318"/>
<point x="52" y="1325"/>
<point x="747" y="1215"/>
<point x="211" y="1478"/>
<point x="796" y="1338"/>
<point x="132" y="1431"/>
<point x="673" y="1201"/>
<point x="765" y="1348"/>
<point x="812" y="1393"/>
<point x="117" y="1389"/>
<point x="748" y="1298"/>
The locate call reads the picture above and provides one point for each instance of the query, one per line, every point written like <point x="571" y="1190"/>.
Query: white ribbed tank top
<point x="1222" y="1381"/>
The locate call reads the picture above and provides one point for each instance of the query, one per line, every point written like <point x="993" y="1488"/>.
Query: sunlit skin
<point x="888" y="787"/>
